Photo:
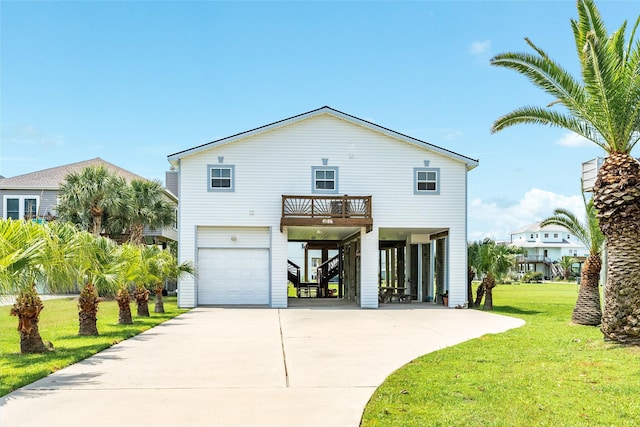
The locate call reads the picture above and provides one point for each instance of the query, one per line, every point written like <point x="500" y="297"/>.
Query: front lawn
<point x="549" y="372"/>
<point x="59" y="324"/>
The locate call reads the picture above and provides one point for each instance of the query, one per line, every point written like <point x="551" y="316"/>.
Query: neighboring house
<point x="35" y="195"/>
<point x="545" y="246"/>
<point x="336" y="182"/>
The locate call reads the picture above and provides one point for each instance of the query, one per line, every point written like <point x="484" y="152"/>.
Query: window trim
<point x="21" y="198"/>
<point x="415" y="181"/>
<point x="211" y="188"/>
<point x="335" y="171"/>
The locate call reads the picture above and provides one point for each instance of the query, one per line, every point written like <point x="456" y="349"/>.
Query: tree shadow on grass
<point x="70" y="354"/>
<point x="507" y="309"/>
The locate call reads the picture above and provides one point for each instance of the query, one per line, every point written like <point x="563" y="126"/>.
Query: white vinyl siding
<point x="292" y="152"/>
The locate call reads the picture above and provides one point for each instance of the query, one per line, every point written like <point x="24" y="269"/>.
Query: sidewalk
<point x="10" y="299"/>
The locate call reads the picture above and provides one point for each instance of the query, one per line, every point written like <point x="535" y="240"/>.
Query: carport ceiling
<point x="403" y="233"/>
<point x="306" y="234"/>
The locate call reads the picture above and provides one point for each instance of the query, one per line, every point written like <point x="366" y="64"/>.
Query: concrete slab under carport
<point x="221" y="366"/>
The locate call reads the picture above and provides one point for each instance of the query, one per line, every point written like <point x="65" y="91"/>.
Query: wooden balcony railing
<point x="337" y="211"/>
<point x="523" y="259"/>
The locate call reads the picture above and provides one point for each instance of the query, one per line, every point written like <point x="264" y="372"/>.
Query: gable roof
<point x="52" y="178"/>
<point x="535" y="227"/>
<point x="470" y="163"/>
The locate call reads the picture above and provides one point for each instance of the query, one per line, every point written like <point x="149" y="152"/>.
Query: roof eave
<point x="469" y="162"/>
<point x="28" y="187"/>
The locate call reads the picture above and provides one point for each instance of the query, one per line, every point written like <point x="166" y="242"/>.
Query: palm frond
<point x="605" y="106"/>
<point x="587" y="232"/>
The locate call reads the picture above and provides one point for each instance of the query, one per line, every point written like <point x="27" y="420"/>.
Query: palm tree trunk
<point x="470" y="275"/>
<point x="587" y="310"/>
<point x="479" y="294"/>
<point x="88" y="305"/>
<point x="141" y="296"/>
<point x="27" y="308"/>
<point x="136" y="235"/>
<point x="124" y="308"/>
<point x="159" y="308"/>
<point x="617" y="199"/>
<point x="96" y="216"/>
<point x="489" y="283"/>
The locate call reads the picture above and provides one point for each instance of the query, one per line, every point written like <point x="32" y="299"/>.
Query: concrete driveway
<point x="305" y="366"/>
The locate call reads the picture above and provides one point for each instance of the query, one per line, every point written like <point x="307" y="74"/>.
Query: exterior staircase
<point x="327" y="271"/>
<point x="556" y="270"/>
<point x="293" y="273"/>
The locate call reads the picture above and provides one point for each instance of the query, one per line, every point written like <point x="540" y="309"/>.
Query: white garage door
<point x="233" y="276"/>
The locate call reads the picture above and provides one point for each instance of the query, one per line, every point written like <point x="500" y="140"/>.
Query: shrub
<point x="533" y="277"/>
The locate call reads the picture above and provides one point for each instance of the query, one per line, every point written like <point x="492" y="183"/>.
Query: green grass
<point x="59" y="324"/>
<point x="549" y="372"/>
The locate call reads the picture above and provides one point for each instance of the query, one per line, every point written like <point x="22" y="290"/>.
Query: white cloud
<point x="571" y="139"/>
<point x="450" y="134"/>
<point x="480" y="47"/>
<point x="490" y="219"/>
<point x="27" y="135"/>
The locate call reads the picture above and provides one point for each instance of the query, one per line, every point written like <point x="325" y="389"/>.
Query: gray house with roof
<point x="35" y="194"/>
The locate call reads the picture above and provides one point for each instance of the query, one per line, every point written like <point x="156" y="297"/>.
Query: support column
<point x="369" y="260"/>
<point x="394" y="267"/>
<point x="306" y="264"/>
<point x="401" y="267"/>
<point x="279" y="282"/>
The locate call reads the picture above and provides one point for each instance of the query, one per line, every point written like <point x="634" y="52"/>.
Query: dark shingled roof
<point x="52" y="178"/>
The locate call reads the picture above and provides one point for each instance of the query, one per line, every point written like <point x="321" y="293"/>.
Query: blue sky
<point x="133" y="82"/>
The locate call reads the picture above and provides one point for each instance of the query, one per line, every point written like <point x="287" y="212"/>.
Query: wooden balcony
<point x="330" y="211"/>
<point x="532" y="259"/>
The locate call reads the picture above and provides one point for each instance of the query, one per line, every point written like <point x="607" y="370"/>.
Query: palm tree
<point x="96" y="265"/>
<point x="604" y="107"/>
<point x="33" y="254"/>
<point x="149" y="206"/>
<point x="566" y="263"/>
<point x="20" y="248"/>
<point x="128" y="257"/>
<point x="472" y="269"/>
<point x="169" y="270"/>
<point x="86" y="197"/>
<point x="587" y="310"/>
<point x="494" y="261"/>
<point x="149" y="273"/>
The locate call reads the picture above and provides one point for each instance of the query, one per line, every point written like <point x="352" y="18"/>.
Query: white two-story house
<point x="545" y="246"/>
<point x="331" y="180"/>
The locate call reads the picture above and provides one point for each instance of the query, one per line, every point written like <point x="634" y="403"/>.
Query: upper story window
<point x="20" y="207"/>
<point x="221" y="178"/>
<point x="531" y="236"/>
<point x="426" y="180"/>
<point x="546" y="235"/>
<point x="555" y="235"/>
<point x="325" y="179"/>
